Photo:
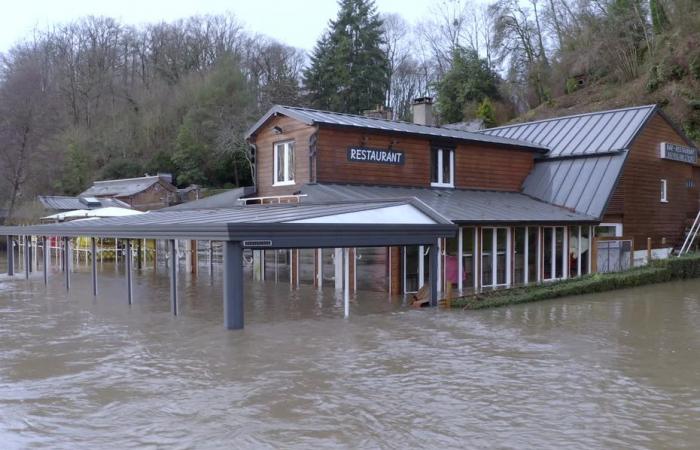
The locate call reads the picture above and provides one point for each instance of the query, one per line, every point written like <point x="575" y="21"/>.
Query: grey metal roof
<point x="584" y="184"/>
<point x="582" y="134"/>
<point x="64" y="203"/>
<point x="458" y="205"/>
<point x="258" y="222"/>
<point x="226" y="199"/>
<point x="120" y="188"/>
<point x="313" y="116"/>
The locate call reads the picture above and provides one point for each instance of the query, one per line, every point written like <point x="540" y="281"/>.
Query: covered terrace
<point x="377" y="223"/>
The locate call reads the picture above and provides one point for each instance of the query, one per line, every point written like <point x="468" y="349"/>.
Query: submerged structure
<point x="368" y="203"/>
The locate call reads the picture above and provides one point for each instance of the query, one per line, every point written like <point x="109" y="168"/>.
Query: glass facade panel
<point x="502" y="255"/>
<point x="468" y="257"/>
<point x="548" y="234"/>
<point x="533" y="245"/>
<point x="486" y="256"/>
<point x="559" y="252"/>
<point x="519" y="255"/>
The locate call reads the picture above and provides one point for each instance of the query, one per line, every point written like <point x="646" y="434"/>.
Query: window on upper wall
<point x="283" y="170"/>
<point x="664" y="191"/>
<point x="442" y="167"/>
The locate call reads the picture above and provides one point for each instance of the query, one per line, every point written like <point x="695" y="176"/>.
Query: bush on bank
<point x="658" y="271"/>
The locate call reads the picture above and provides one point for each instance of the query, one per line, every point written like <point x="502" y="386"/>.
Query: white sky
<point x="294" y="22"/>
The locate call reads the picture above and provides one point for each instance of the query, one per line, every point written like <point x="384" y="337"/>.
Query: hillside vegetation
<point x="99" y="99"/>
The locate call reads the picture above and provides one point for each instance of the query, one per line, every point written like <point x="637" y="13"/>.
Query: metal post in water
<point x="66" y="261"/>
<point x="27" y="262"/>
<point x="173" y="277"/>
<point x="233" y="285"/>
<point x="10" y="256"/>
<point x="346" y="281"/>
<point x="128" y="270"/>
<point x="211" y="258"/>
<point x="433" y="276"/>
<point x="93" y="249"/>
<point x="45" y="255"/>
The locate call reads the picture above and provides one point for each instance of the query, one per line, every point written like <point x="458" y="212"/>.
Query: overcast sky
<point x="294" y="22"/>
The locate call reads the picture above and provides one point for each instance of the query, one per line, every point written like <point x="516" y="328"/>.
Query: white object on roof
<point x="110" y="211"/>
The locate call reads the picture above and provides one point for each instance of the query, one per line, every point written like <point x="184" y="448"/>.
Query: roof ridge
<point x="571" y="116"/>
<point x="379" y="119"/>
<point x="126" y="179"/>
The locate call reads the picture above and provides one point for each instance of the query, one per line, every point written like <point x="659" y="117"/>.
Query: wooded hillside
<point x="100" y="99"/>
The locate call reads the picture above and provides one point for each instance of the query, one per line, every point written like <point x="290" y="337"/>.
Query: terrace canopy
<point x="306" y="225"/>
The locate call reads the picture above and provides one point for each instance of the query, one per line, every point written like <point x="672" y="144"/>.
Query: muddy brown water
<point x="619" y="370"/>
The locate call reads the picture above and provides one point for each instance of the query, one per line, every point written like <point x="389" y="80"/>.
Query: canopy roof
<point x="305" y="225"/>
<point x="110" y="211"/>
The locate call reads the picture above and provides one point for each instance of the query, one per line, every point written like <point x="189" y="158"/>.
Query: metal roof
<point x="313" y="116"/>
<point x="583" y="184"/>
<point x="581" y="134"/>
<point x="226" y="199"/>
<point x="255" y="224"/>
<point x="458" y="205"/>
<point x="63" y="203"/>
<point x="121" y="188"/>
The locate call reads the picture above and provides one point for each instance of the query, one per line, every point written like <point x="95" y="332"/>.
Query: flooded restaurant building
<point x="529" y="199"/>
<point x="360" y="202"/>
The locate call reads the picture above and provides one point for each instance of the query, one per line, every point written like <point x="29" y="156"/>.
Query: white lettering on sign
<point x="679" y="153"/>
<point x="376" y="155"/>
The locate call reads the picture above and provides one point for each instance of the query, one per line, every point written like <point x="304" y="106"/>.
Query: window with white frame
<point x="283" y="170"/>
<point x="664" y="191"/>
<point x="442" y="167"/>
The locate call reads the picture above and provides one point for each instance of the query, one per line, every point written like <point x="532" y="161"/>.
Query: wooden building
<point x="142" y="193"/>
<point x="529" y="198"/>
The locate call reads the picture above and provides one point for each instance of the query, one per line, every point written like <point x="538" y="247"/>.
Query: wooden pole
<point x="648" y="250"/>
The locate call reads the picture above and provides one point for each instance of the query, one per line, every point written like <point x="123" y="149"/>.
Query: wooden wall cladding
<point x="476" y="166"/>
<point x="292" y="130"/>
<point x="644" y="215"/>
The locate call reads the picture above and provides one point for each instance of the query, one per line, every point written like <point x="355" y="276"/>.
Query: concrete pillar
<point x="433" y="275"/>
<point x="172" y="271"/>
<point x="10" y="256"/>
<point x="129" y="292"/>
<point x="93" y="250"/>
<point x="233" y="285"/>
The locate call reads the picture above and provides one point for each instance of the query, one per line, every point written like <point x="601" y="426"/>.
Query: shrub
<point x="658" y="271"/>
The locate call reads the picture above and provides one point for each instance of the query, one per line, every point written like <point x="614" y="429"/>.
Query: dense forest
<point x="99" y="99"/>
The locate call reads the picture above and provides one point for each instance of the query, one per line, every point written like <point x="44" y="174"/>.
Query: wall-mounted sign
<point x="376" y="155"/>
<point x="679" y="153"/>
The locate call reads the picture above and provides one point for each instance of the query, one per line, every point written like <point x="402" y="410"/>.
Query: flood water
<point x="619" y="370"/>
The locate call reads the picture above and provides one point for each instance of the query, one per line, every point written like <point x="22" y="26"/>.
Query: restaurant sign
<point x="376" y="155"/>
<point x="679" y="153"/>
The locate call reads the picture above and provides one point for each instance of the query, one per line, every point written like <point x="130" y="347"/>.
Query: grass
<point x="659" y="271"/>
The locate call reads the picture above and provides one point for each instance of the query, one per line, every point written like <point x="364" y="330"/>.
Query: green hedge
<point x="658" y="271"/>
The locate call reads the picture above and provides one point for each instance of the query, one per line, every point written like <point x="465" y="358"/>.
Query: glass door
<point x="554" y="253"/>
<point x="495" y="257"/>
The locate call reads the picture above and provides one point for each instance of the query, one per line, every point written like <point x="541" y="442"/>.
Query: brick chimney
<point x="423" y="111"/>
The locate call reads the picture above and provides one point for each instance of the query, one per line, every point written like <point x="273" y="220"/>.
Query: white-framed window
<point x="283" y="166"/>
<point x="442" y="167"/>
<point x="664" y="191"/>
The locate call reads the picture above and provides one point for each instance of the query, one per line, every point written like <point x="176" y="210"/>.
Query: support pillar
<point x="93" y="250"/>
<point x="128" y="271"/>
<point x="27" y="261"/>
<point x="346" y="281"/>
<point x="433" y="275"/>
<point x="10" y="256"/>
<point x="172" y="271"/>
<point x="45" y="256"/>
<point x="233" y="285"/>
<point x="338" y="268"/>
<point x="66" y="261"/>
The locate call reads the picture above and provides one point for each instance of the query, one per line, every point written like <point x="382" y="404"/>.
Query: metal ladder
<point x="690" y="237"/>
